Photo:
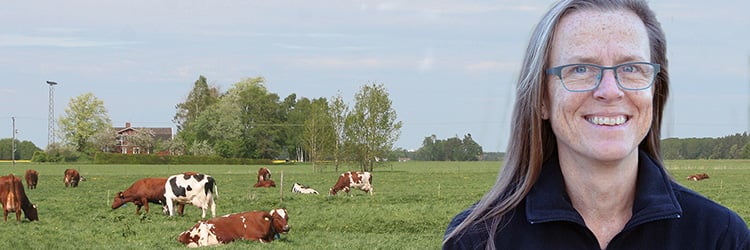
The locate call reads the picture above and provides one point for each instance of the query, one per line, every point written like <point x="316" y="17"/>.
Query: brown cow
<point x="32" y="176"/>
<point x="142" y="192"/>
<point x="698" y="177"/>
<point x="268" y="183"/>
<point x="253" y="225"/>
<point x="72" y="177"/>
<point x="264" y="174"/>
<point x="352" y="179"/>
<point x="14" y="199"/>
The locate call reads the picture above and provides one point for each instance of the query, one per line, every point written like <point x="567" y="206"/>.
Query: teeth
<point x="609" y="121"/>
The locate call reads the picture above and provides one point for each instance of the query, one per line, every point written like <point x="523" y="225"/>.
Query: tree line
<point x="246" y="121"/>
<point x="735" y="146"/>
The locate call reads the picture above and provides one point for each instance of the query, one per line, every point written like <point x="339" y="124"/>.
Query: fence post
<point x="281" y="188"/>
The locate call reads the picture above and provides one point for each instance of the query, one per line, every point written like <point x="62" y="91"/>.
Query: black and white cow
<point x="302" y="189"/>
<point x="191" y="188"/>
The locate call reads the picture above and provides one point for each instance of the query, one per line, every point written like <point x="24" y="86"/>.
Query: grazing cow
<point x="32" y="176"/>
<point x="72" y="177"/>
<point x="253" y="225"/>
<point x="194" y="188"/>
<point x="14" y="199"/>
<point x="698" y="177"/>
<point x="302" y="189"/>
<point x="264" y="174"/>
<point x="142" y="192"/>
<point x="352" y="179"/>
<point x="268" y="183"/>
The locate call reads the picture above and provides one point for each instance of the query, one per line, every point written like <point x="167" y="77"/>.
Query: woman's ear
<point x="545" y="111"/>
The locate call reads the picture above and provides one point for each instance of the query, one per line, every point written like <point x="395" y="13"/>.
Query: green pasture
<point x="412" y="205"/>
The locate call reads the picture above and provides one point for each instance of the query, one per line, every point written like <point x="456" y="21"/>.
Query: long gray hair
<point x="532" y="141"/>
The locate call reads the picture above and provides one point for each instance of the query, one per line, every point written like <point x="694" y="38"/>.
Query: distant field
<point x="412" y="205"/>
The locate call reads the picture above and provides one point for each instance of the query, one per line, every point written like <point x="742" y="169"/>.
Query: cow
<point x="698" y="177"/>
<point x="352" y="179"/>
<point x="194" y="188"/>
<point x="252" y="225"/>
<point x="267" y="183"/>
<point x="32" y="176"/>
<point x="302" y="189"/>
<point x="14" y="199"/>
<point x="143" y="191"/>
<point x="264" y="174"/>
<point x="72" y="177"/>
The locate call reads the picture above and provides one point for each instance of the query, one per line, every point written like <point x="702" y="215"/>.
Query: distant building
<point x="125" y="145"/>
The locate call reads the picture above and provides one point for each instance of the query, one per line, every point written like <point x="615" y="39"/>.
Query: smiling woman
<point x="584" y="168"/>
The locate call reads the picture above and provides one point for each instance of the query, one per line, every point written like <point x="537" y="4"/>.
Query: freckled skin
<point x="603" y="38"/>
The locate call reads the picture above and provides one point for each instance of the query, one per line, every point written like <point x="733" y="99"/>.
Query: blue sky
<point x="449" y="66"/>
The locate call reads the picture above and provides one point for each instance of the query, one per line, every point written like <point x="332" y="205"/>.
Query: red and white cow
<point x="194" y="188"/>
<point x="142" y="192"/>
<point x="72" y="177"/>
<point x="352" y="179"/>
<point x="32" y="177"/>
<point x="253" y="225"/>
<point x="14" y="199"/>
<point x="302" y="189"/>
<point x="698" y="177"/>
<point x="266" y="183"/>
<point x="264" y="174"/>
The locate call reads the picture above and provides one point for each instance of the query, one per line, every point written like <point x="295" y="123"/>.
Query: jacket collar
<point x="654" y="198"/>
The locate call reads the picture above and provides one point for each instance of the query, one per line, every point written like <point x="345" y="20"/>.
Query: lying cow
<point x="72" y="177"/>
<point x="253" y="225"/>
<point x="142" y="192"/>
<point x="194" y="188"/>
<point x="267" y="183"/>
<point x="32" y="176"/>
<point x="698" y="177"/>
<point x="352" y="179"/>
<point x="264" y="174"/>
<point x="302" y="189"/>
<point x="14" y="199"/>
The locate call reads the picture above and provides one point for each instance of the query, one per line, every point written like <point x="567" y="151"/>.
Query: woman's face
<point x="607" y="123"/>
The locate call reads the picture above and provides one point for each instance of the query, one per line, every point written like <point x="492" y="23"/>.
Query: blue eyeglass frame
<point x="557" y="71"/>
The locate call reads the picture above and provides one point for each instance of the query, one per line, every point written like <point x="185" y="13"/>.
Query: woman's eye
<point x="580" y="69"/>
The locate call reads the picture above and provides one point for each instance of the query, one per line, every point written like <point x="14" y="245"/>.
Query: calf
<point x="32" y="176"/>
<point x="142" y="192"/>
<point x="352" y="179"/>
<point x="194" y="188"/>
<point x="14" y="199"/>
<point x="302" y="189"/>
<point x="698" y="177"/>
<point x="253" y="225"/>
<point x="72" y="177"/>
<point x="264" y="174"/>
<point x="268" y="183"/>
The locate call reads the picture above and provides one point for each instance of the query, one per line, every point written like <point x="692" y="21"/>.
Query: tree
<point x="337" y="112"/>
<point x="371" y="127"/>
<point x="105" y="139"/>
<point x="143" y="138"/>
<point x="83" y="118"/>
<point x="318" y="133"/>
<point x="198" y="100"/>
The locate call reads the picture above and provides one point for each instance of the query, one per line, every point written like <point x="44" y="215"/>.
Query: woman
<point x="583" y="168"/>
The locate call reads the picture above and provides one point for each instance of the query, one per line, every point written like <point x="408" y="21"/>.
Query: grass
<point x="412" y="205"/>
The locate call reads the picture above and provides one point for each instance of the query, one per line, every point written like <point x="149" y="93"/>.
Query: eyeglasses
<point x="587" y="77"/>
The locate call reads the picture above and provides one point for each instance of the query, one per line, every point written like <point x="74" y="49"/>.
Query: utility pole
<point x="51" y="117"/>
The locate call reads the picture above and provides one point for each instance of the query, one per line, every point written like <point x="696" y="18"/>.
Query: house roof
<point x="159" y="133"/>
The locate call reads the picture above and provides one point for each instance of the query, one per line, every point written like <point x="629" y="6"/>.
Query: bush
<point x="111" y="158"/>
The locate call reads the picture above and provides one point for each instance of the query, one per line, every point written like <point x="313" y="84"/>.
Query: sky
<point x="449" y="66"/>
